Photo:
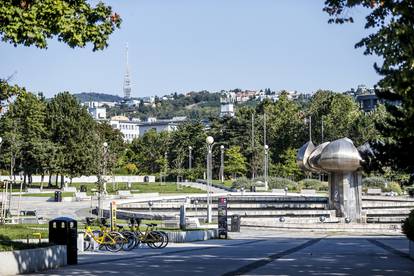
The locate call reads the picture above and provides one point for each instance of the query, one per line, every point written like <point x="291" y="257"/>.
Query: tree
<point x="340" y="114"/>
<point x="149" y="151"/>
<point x="235" y="163"/>
<point x="392" y="39"/>
<point x="74" y="132"/>
<point x="26" y="134"/>
<point x="32" y="23"/>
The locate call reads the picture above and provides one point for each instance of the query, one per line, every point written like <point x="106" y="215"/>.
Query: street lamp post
<point x="190" y="148"/>
<point x="210" y="143"/>
<point x="222" y="163"/>
<point x="266" y="165"/>
<point x="101" y="181"/>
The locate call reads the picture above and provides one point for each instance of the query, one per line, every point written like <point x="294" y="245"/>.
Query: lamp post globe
<point x="105" y="144"/>
<point x="209" y="140"/>
<point x="1" y="140"/>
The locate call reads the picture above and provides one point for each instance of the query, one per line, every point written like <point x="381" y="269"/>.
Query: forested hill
<point x="97" y="97"/>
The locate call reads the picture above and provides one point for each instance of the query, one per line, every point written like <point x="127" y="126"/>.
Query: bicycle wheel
<point x="165" y="237"/>
<point x="130" y="240"/>
<point x="86" y="242"/>
<point x="114" y="241"/>
<point x="155" y="239"/>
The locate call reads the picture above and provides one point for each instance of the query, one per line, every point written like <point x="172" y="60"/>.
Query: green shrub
<point x="374" y="182"/>
<point x="408" y="226"/>
<point x="242" y="182"/>
<point x="410" y="190"/>
<point x="393" y="187"/>
<point x="281" y="183"/>
<point x="131" y="168"/>
<point x="313" y="184"/>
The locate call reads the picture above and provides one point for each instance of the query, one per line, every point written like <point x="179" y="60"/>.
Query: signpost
<point x="113" y="215"/>
<point x="222" y="217"/>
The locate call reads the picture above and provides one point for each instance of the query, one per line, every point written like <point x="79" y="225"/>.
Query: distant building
<point x="160" y="125"/>
<point x="129" y="128"/>
<point x="227" y="100"/>
<point x="366" y="98"/>
<point x="97" y="113"/>
<point x="134" y="128"/>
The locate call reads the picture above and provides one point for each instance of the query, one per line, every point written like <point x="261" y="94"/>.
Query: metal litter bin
<point x="58" y="196"/>
<point x="64" y="231"/>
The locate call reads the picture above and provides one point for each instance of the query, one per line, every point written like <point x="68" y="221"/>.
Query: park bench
<point x="308" y="192"/>
<point x="33" y="190"/>
<point x="125" y="194"/>
<point x="374" y="191"/>
<point x="79" y="196"/>
<point x="70" y="189"/>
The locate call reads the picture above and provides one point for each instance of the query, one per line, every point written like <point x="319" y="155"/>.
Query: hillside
<point x="97" y="97"/>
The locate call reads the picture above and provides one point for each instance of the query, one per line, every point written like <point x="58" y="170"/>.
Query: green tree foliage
<point x="235" y="163"/>
<point x="25" y="133"/>
<point x="74" y="133"/>
<point x="393" y="40"/>
<point x="287" y="166"/>
<point x="148" y="151"/>
<point x="30" y="22"/>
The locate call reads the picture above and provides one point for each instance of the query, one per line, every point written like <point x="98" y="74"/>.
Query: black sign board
<point x="222" y="217"/>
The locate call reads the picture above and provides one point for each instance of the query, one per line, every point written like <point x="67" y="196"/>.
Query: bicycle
<point x="111" y="240"/>
<point x="153" y="238"/>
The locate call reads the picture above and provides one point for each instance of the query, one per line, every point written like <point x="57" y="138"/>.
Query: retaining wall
<point x="32" y="260"/>
<point x="92" y="179"/>
<point x="190" y="236"/>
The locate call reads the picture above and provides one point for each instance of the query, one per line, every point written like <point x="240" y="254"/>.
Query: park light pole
<point x="210" y="143"/>
<point x="266" y="166"/>
<point x="222" y="163"/>
<point x="101" y="180"/>
<point x="190" y="148"/>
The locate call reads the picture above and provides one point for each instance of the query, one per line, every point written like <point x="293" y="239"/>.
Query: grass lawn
<point x="10" y="233"/>
<point x="227" y="183"/>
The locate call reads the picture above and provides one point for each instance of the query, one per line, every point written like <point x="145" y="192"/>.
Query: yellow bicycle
<point x="111" y="240"/>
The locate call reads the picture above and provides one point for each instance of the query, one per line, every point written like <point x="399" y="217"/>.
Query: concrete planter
<point x="190" y="236"/>
<point x="32" y="260"/>
<point x="411" y="249"/>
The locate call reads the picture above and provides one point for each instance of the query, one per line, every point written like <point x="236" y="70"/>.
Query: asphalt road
<point x="257" y="253"/>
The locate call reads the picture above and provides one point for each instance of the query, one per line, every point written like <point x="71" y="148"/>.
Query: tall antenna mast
<point x="127" y="79"/>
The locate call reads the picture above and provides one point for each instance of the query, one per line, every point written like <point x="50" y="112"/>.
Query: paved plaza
<point x="257" y="252"/>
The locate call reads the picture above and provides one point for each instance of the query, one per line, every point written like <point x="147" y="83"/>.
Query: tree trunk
<point x="41" y="181"/>
<point x="49" y="184"/>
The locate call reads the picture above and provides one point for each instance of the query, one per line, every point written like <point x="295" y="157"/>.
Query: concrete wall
<point x="32" y="260"/>
<point x="92" y="179"/>
<point x="190" y="236"/>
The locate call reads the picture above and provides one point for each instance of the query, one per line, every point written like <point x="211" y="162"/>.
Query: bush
<point x="281" y="183"/>
<point x="242" y="182"/>
<point x="313" y="184"/>
<point x="374" y="182"/>
<point x="394" y="187"/>
<point x="410" y="190"/>
<point x="408" y="226"/>
<point x="131" y="168"/>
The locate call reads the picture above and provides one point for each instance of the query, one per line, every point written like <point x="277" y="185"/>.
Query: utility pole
<point x="253" y="150"/>
<point x="264" y="128"/>
<point x="322" y="130"/>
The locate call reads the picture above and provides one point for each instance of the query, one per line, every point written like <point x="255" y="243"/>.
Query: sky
<point x="192" y="45"/>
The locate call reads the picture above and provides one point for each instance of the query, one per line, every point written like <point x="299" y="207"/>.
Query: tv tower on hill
<point x="127" y="79"/>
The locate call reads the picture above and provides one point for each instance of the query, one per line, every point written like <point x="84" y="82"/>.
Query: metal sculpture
<point x="342" y="161"/>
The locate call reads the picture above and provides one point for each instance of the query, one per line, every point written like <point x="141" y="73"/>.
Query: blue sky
<point x="191" y="45"/>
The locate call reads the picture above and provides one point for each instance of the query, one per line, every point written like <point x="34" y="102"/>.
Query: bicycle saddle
<point x="120" y="226"/>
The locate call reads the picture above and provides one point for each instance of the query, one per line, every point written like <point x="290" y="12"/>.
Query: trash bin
<point x="83" y="188"/>
<point x="235" y="223"/>
<point x="64" y="231"/>
<point x="58" y="196"/>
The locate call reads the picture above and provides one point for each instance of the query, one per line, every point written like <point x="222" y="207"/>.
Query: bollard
<point x="182" y="217"/>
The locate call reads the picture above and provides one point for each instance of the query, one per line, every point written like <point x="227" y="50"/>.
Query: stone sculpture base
<point x="345" y="194"/>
